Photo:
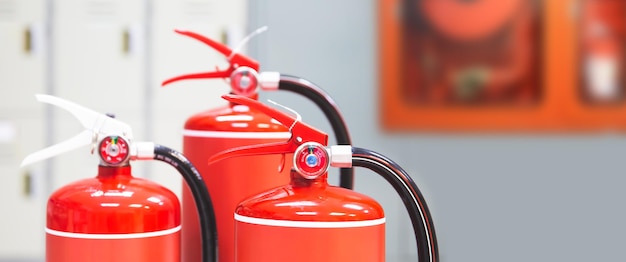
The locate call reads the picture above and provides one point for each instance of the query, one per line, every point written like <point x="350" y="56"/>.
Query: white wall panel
<point x="21" y="127"/>
<point x="96" y="66"/>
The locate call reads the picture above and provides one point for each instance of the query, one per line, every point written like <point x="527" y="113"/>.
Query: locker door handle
<point x="126" y="41"/>
<point x="27" y="188"/>
<point x="27" y="40"/>
<point x="224" y="36"/>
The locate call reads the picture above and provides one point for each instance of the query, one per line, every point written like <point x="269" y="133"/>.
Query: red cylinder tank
<point x="113" y="217"/>
<point x="309" y="220"/>
<point x="213" y="131"/>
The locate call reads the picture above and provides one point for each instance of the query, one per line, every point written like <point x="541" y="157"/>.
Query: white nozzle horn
<point x="142" y="151"/>
<point x="269" y="80"/>
<point x="341" y="156"/>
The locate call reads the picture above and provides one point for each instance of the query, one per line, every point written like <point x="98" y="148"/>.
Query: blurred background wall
<point x="493" y="197"/>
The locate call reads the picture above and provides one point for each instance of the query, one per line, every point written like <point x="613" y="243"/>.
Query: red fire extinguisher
<point x="601" y="48"/>
<point x="310" y="220"/>
<point x="115" y="216"/>
<point x="216" y="130"/>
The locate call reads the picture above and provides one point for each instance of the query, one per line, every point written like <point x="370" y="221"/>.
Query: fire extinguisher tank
<point x="309" y="220"/>
<point x="216" y="130"/>
<point x="236" y="125"/>
<point x="113" y="217"/>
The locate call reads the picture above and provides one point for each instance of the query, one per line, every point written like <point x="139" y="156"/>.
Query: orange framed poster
<point x="493" y="65"/>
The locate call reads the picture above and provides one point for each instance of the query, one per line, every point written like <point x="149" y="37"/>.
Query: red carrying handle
<point x="300" y="133"/>
<point x="235" y="60"/>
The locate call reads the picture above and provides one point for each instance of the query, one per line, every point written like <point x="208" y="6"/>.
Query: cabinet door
<point x="22" y="75"/>
<point x="98" y="64"/>
<point x="468" y="73"/>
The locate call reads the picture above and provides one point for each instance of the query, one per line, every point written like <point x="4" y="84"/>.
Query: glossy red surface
<point x="311" y="200"/>
<point x="300" y="132"/>
<point x="114" y="202"/>
<point x="260" y="243"/>
<point x="165" y="248"/>
<point x="231" y="180"/>
<point x="297" y="127"/>
<point x="233" y="118"/>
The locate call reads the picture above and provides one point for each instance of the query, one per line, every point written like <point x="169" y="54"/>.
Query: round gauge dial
<point x="311" y="160"/>
<point x="114" y="150"/>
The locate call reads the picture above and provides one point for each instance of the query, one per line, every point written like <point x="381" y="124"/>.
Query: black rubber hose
<point x="414" y="202"/>
<point x="200" y="195"/>
<point x="330" y="109"/>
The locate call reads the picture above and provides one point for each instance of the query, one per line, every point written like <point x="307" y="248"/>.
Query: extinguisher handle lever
<point x="223" y="49"/>
<point x="254" y="150"/>
<point x="216" y="74"/>
<point x="234" y="58"/>
<point x="300" y="132"/>
<point x="96" y="126"/>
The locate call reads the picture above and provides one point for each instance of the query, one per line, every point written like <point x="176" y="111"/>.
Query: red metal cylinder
<point x="214" y="131"/>
<point x="113" y="217"/>
<point x="602" y="50"/>
<point x="309" y="220"/>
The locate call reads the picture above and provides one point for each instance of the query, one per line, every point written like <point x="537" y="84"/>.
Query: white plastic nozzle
<point x="142" y="151"/>
<point x="341" y="156"/>
<point x="269" y="80"/>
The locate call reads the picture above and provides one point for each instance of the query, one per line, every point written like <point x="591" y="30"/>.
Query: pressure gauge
<point x="311" y="160"/>
<point x="114" y="150"/>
